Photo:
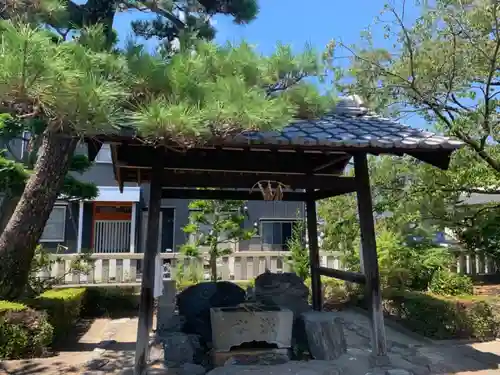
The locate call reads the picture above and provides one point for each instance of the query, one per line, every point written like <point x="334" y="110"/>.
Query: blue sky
<point x="296" y="23"/>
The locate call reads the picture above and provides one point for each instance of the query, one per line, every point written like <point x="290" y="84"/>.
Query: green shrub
<point x="245" y="284"/>
<point x="63" y="307"/>
<point x="441" y="317"/>
<point x="182" y="285"/>
<point x="11" y="306"/>
<point x="99" y="301"/>
<point x="24" y="332"/>
<point x="333" y="290"/>
<point x="398" y="278"/>
<point x="450" y="283"/>
<point x="299" y="253"/>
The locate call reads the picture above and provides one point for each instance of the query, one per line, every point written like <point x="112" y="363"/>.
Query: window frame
<point x="63" y="237"/>
<point x="274" y="221"/>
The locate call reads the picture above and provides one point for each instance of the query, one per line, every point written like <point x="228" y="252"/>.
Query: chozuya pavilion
<point x="308" y="158"/>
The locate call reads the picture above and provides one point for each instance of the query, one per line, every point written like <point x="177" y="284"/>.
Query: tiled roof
<point x="350" y="125"/>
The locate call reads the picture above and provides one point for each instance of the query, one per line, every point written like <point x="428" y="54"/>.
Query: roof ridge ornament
<point x="351" y="105"/>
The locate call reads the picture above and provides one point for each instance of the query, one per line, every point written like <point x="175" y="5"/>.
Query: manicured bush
<point x="63" y="307"/>
<point x="333" y="289"/>
<point x="450" y="283"/>
<point x="110" y="301"/>
<point x="443" y="317"/>
<point x="24" y="332"/>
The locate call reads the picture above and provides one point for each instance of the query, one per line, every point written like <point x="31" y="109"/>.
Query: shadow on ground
<point x="404" y="351"/>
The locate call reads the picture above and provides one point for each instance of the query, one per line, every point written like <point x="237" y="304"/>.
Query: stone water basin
<point x="234" y="326"/>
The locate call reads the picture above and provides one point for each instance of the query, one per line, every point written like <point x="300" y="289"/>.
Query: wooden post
<point x="133" y="224"/>
<point x="312" y="232"/>
<point x="79" y="237"/>
<point x="148" y="269"/>
<point x="369" y="254"/>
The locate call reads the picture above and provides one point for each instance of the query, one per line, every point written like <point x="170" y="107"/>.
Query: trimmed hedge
<point x="333" y="289"/>
<point x="444" y="317"/>
<point x="100" y="301"/>
<point x="24" y="332"/>
<point x="63" y="307"/>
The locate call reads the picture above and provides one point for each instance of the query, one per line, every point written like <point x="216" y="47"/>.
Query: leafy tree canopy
<point x="444" y="66"/>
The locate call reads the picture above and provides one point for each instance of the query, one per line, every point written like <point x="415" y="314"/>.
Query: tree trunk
<point x="7" y="208"/>
<point x="11" y="198"/>
<point x="23" y="231"/>
<point x="213" y="264"/>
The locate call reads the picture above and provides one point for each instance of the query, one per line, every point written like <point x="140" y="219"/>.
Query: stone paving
<point x="108" y="347"/>
<point x="420" y="355"/>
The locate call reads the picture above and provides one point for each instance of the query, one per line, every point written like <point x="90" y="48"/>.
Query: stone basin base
<point x="241" y="355"/>
<point x="232" y="327"/>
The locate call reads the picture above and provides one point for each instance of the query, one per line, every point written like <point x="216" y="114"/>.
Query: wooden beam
<point x="353" y="277"/>
<point x="369" y="254"/>
<point x="244" y="159"/>
<point x="312" y="234"/>
<point x="336" y="185"/>
<point x="246" y="195"/>
<point x="148" y="273"/>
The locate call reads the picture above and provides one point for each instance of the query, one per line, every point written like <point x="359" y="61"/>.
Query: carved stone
<point x="234" y="326"/>
<point x="195" y="303"/>
<point x="325" y="335"/>
<point x="166" y="305"/>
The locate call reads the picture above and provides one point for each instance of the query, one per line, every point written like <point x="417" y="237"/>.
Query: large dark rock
<point x="195" y="303"/>
<point x="282" y="289"/>
<point x="325" y="335"/>
<point x="180" y="348"/>
<point x="285" y="290"/>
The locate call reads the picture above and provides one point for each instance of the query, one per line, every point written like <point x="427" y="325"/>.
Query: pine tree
<point x="82" y="88"/>
<point x="14" y="171"/>
<point x="215" y="224"/>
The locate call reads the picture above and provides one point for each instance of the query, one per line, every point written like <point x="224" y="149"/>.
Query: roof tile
<point x="353" y="127"/>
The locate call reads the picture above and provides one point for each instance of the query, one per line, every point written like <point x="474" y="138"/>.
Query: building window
<point x="104" y="154"/>
<point x="275" y="234"/>
<point x="24" y="144"/>
<point x="56" y="225"/>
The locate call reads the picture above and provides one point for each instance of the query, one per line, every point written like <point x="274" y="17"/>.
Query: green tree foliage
<point x="299" y="254"/>
<point x="80" y="88"/>
<point x="185" y="20"/>
<point x="215" y="224"/>
<point x="231" y="88"/>
<point x="408" y="257"/>
<point x="444" y="65"/>
<point x="424" y="197"/>
<point x="15" y="171"/>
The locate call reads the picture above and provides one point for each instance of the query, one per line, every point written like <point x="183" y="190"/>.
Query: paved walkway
<point x="108" y="346"/>
<point x="438" y="358"/>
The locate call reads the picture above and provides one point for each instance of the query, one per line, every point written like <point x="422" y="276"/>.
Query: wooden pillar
<point x="133" y="227"/>
<point x="148" y="269"/>
<point x="79" y="238"/>
<point x="312" y="233"/>
<point x="369" y="254"/>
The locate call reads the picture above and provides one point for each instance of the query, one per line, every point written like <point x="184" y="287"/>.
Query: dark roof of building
<point x="350" y="126"/>
<point x="306" y="154"/>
